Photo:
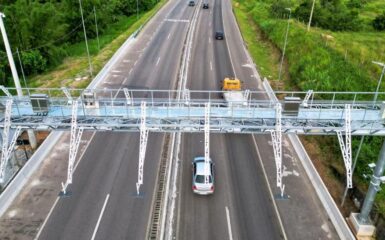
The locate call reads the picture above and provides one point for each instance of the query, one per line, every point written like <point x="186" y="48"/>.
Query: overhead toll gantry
<point x="312" y="113"/>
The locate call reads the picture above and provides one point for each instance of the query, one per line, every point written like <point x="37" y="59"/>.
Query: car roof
<point x="200" y="165"/>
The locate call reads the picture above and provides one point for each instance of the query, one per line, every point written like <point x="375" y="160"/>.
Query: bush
<point x="379" y="22"/>
<point x="33" y="62"/>
<point x="356" y="3"/>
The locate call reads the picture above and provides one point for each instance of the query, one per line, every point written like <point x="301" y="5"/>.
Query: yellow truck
<point x="233" y="93"/>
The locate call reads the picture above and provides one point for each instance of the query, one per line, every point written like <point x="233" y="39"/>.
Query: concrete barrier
<point x="327" y="201"/>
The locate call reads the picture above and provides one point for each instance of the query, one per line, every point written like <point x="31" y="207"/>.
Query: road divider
<point x="169" y="205"/>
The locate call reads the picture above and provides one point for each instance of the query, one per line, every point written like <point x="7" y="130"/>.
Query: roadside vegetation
<point x="49" y="37"/>
<point x="335" y="55"/>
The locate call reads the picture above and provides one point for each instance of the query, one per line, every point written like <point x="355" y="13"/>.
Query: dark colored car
<point x="205" y="5"/>
<point x="219" y="35"/>
<point x="191" y="3"/>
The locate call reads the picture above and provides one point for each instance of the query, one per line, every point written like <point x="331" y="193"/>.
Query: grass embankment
<point x="319" y="60"/>
<point x="74" y="71"/>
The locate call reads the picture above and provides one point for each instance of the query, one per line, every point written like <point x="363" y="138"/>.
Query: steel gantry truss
<point x="320" y="113"/>
<point x="142" y="146"/>
<point x="76" y="135"/>
<point x="346" y="146"/>
<point x="7" y="147"/>
<point x="276" y="136"/>
<point x="207" y="142"/>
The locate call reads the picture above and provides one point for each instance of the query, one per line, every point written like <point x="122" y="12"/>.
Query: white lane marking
<point x="57" y="199"/>
<point x="126" y="61"/>
<point x="270" y="191"/>
<point x="176" y="20"/>
<point x="229" y="223"/>
<point x="157" y="62"/>
<point x="100" y="217"/>
<point x="116" y="71"/>
<point x="130" y="72"/>
<point x="135" y="62"/>
<point x="211" y="65"/>
<point x="209" y="39"/>
<point x="168" y="37"/>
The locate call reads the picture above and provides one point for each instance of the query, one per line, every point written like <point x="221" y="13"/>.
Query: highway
<point x="103" y="203"/>
<point x="241" y="207"/>
<point x="103" y="200"/>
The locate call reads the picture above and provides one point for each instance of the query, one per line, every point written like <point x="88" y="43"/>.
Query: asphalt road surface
<point x="241" y="207"/>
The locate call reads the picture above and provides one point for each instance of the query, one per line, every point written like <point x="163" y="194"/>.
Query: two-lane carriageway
<point x="241" y="207"/>
<point x="104" y="204"/>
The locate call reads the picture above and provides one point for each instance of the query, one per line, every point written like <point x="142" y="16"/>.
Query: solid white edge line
<point x="211" y="65"/>
<point x="270" y="191"/>
<point x="229" y="223"/>
<point x="46" y="219"/>
<point x="100" y="217"/>
<point x="157" y="62"/>
<point x="57" y="199"/>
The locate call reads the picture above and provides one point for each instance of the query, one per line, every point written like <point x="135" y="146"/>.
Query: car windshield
<point x="201" y="179"/>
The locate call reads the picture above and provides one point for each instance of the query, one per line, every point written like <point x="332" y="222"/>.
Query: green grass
<point x="264" y="53"/>
<point x="76" y="64"/>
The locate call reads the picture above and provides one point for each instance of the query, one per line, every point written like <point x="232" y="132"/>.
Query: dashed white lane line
<point x="209" y="39"/>
<point x="211" y="66"/>
<point x="100" y="217"/>
<point x="168" y="37"/>
<point x="157" y="62"/>
<point x="229" y="223"/>
<point x="130" y="72"/>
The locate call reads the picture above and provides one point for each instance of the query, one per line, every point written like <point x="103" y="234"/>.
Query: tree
<point x="330" y="14"/>
<point x="278" y="8"/>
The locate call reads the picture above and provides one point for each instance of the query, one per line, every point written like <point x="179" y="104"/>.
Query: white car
<point x="202" y="177"/>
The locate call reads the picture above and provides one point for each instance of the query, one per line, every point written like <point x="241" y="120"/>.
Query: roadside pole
<point x="31" y="134"/>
